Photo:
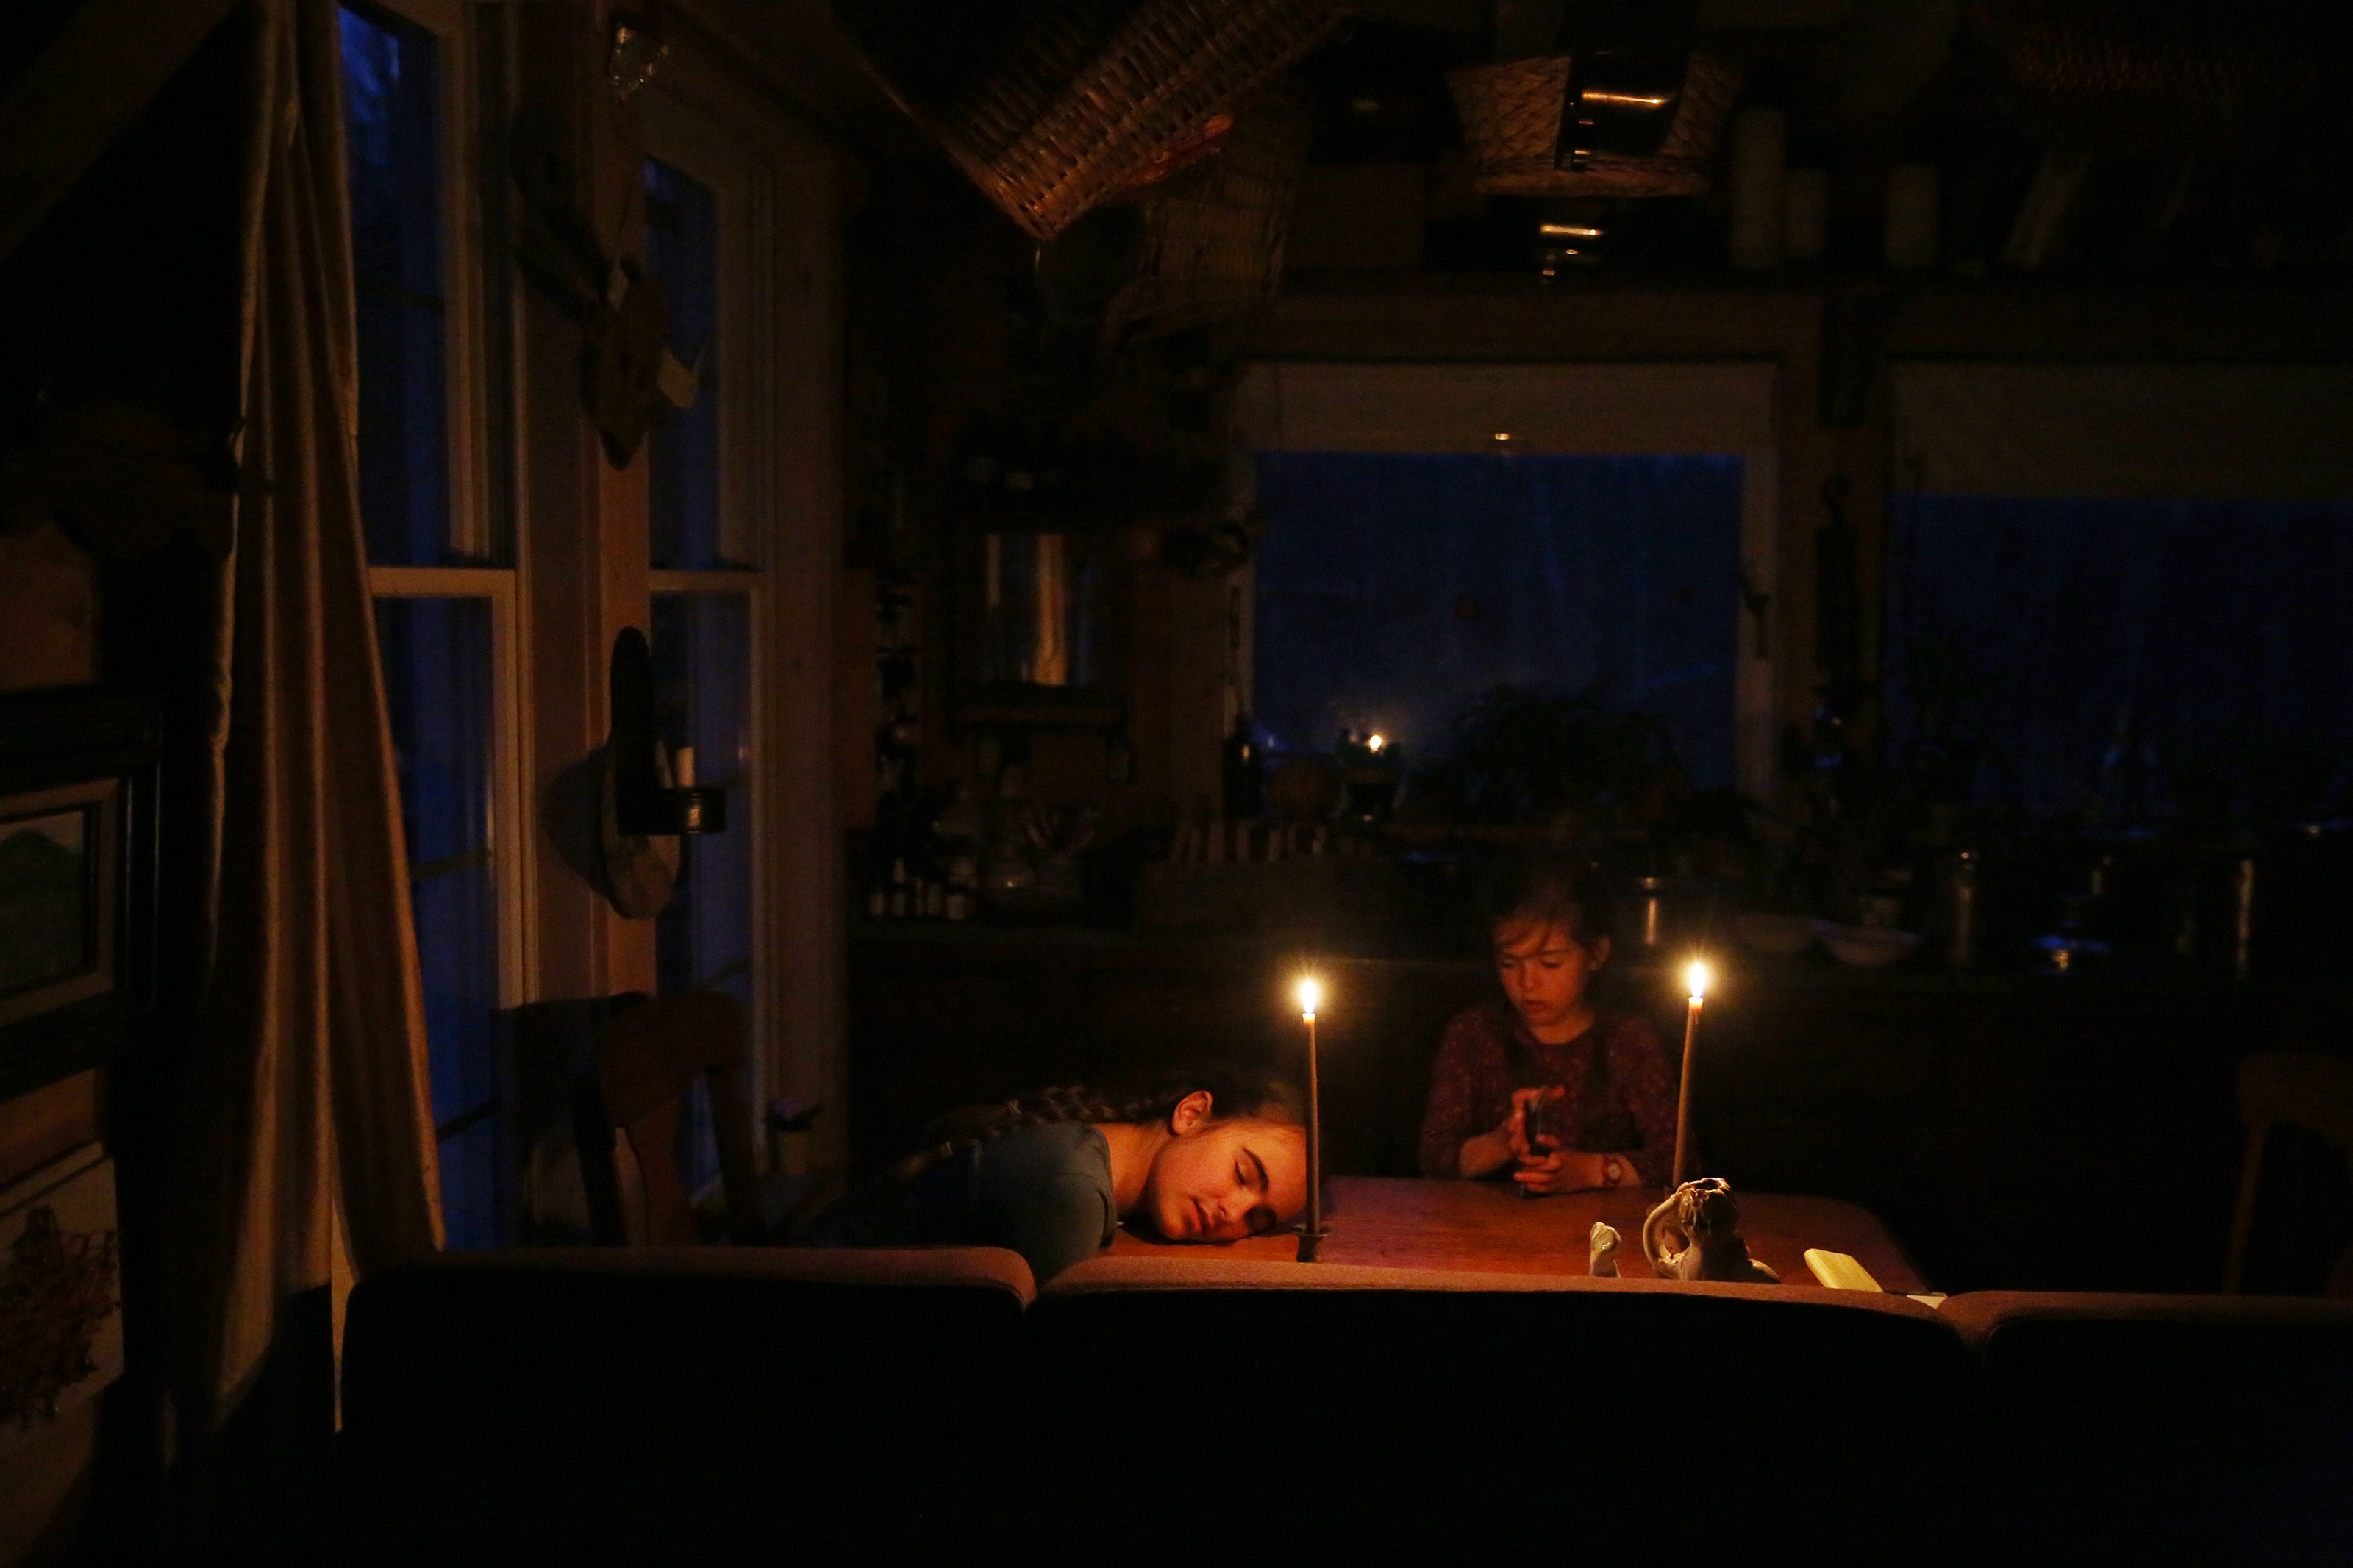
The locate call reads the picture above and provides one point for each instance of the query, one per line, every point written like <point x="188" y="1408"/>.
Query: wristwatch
<point x="1613" y="1171"/>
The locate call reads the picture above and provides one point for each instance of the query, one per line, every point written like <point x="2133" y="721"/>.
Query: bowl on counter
<point x="1783" y="936"/>
<point x="1868" y="947"/>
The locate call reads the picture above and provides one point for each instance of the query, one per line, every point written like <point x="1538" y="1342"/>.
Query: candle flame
<point x="1695" y="977"/>
<point x="1309" y="993"/>
<point x="1375" y="743"/>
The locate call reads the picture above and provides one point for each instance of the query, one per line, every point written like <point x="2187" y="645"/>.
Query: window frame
<point x="779" y="333"/>
<point x="509" y="842"/>
<point x="1732" y="408"/>
<point x="494" y="568"/>
<point x="466" y="390"/>
<point x="709" y="116"/>
<point x="466" y="366"/>
<point x="674" y="134"/>
<point x="750" y="586"/>
<point x="677" y="132"/>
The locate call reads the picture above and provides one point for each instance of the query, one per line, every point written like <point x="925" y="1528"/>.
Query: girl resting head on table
<point x="1203" y="1155"/>
<point x="1606" y="1088"/>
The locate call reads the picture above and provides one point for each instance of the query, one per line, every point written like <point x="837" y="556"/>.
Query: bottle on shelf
<point x="1243" y="771"/>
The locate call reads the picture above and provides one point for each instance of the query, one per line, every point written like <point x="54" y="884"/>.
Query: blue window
<point x="437" y="658"/>
<point x="2101" y="651"/>
<point x="703" y="681"/>
<point x="435" y="651"/>
<point x="391" y="122"/>
<point x="682" y="256"/>
<point x="1392" y="588"/>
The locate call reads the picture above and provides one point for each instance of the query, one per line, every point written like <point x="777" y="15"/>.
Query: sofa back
<point x="1468" y="1413"/>
<point x="2170" y="1428"/>
<point x="671" y="1401"/>
<point x="824" y="1403"/>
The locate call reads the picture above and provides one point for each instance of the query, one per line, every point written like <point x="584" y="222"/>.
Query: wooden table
<point x="1396" y="1222"/>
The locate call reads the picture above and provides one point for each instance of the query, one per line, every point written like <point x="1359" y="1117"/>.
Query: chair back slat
<point x="646" y="1060"/>
<point x="2294" y="1089"/>
<point x="2301" y="1088"/>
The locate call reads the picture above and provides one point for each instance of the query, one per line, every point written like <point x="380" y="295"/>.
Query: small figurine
<point x="1709" y="1220"/>
<point x="1603" y="1241"/>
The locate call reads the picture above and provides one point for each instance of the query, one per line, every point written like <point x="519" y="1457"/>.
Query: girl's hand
<point x="1559" y="1170"/>
<point x="1516" y="1126"/>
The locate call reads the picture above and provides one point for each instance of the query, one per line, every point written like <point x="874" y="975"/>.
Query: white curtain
<point x="307" y="1133"/>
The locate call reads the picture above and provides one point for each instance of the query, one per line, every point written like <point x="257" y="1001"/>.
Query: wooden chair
<point x="2300" y="1089"/>
<point x="646" y="1058"/>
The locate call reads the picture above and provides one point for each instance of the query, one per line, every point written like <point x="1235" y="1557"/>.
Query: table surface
<point x="1487" y="1226"/>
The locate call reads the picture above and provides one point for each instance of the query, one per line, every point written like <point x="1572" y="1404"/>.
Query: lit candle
<point x="1374" y="743"/>
<point x="1309" y="993"/>
<point x="1696" y="979"/>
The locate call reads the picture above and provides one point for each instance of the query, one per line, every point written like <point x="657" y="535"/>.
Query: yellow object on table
<point x="1839" y="1270"/>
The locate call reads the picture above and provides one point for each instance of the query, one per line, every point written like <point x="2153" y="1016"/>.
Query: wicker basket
<point x="1213" y="239"/>
<point x="1511" y="119"/>
<point x="1053" y="105"/>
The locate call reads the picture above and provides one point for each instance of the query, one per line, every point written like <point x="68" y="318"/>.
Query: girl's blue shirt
<point x="1043" y="1191"/>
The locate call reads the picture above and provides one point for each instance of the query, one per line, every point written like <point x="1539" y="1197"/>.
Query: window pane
<point x="390" y="104"/>
<point x="437" y="677"/>
<point x="457" y="937"/>
<point x="469" y="1166"/>
<point x="683" y="255"/>
<point x="702" y="664"/>
<point x="1393" y="588"/>
<point x="437" y="670"/>
<point x="2105" y="649"/>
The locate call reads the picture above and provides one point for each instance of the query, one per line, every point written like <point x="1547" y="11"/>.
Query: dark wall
<point x="128" y="292"/>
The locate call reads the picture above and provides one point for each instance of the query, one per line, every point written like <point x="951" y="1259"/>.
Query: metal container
<point x="1660" y="916"/>
<point x="1959" y="937"/>
<point x="2243" y="917"/>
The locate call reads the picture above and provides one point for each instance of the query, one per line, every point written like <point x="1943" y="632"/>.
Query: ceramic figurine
<point x="1603" y="1241"/>
<point x="1708" y="1219"/>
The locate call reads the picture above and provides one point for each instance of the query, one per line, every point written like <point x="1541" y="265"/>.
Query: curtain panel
<point x="306" y="1129"/>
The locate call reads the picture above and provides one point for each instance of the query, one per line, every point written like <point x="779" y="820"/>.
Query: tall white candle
<point x="1310" y="992"/>
<point x="1696" y="979"/>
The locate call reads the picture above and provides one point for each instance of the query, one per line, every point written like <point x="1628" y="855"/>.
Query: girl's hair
<point x="1559" y="890"/>
<point x="1232" y="1092"/>
<point x="1551" y="889"/>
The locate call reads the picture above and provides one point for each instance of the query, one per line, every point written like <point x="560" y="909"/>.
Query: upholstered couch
<point x="829" y="1406"/>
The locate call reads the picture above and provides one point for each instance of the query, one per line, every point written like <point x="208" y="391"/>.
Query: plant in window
<point x="1950" y="694"/>
<point x="1571" y="760"/>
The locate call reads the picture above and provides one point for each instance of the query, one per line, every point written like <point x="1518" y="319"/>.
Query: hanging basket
<point x="1053" y="105"/>
<point x="1214" y="235"/>
<point x="1511" y="119"/>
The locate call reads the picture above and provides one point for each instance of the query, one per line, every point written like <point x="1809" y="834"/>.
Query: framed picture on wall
<point x="77" y="879"/>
